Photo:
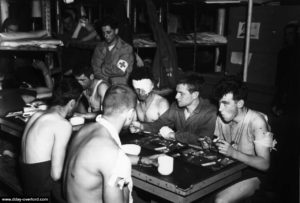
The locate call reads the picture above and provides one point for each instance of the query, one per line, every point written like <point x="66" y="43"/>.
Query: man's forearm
<point x="254" y="161"/>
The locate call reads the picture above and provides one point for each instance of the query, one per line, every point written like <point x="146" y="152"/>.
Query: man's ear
<point x="117" y="31"/>
<point x="131" y="114"/>
<point x="92" y="77"/>
<point x="195" y="94"/>
<point x="72" y="103"/>
<point x="240" y="103"/>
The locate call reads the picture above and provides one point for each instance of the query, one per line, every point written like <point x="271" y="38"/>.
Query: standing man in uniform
<point x="45" y="140"/>
<point x="113" y="58"/>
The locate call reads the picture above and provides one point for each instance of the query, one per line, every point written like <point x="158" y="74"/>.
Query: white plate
<point x="131" y="149"/>
<point x="76" y="120"/>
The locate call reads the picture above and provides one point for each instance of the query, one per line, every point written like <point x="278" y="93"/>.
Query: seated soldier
<point x="150" y="105"/>
<point x="73" y="30"/>
<point x="97" y="169"/>
<point x="45" y="140"/>
<point x="244" y="135"/>
<point x="113" y="58"/>
<point x="93" y="89"/>
<point x="192" y="116"/>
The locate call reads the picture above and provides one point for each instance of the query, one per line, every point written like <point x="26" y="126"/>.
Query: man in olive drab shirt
<point x="112" y="59"/>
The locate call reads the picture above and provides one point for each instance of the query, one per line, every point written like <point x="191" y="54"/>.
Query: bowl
<point x="77" y="120"/>
<point x="131" y="149"/>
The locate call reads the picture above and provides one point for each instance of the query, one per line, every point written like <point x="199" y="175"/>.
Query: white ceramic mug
<point x="165" y="164"/>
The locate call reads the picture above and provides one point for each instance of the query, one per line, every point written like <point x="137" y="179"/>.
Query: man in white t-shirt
<point x="244" y="135"/>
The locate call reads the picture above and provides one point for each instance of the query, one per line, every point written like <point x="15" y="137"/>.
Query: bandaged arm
<point x="116" y="190"/>
<point x="261" y="158"/>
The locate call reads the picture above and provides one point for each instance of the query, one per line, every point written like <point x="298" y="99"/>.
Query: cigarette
<point x="209" y="163"/>
<point x="160" y="148"/>
<point x="215" y="140"/>
<point x="195" y="146"/>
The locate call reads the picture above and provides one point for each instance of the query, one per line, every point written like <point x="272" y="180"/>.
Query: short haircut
<point x="119" y="98"/>
<point x="141" y="73"/>
<point x="79" y="70"/>
<point x="107" y="21"/>
<point x="110" y="21"/>
<point x="7" y="22"/>
<point x="193" y="80"/>
<point x="69" y="13"/>
<point x="231" y="84"/>
<point x="65" y="90"/>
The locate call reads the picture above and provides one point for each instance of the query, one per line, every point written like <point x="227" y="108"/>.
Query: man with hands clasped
<point x="188" y="119"/>
<point x="244" y="135"/>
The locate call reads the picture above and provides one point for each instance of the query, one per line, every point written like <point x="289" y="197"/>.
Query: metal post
<point x="195" y="36"/>
<point x="220" y="31"/>
<point x="247" y="39"/>
<point x="46" y="13"/>
<point x="4" y="11"/>
<point x="58" y="17"/>
<point x="134" y="19"/>
<point x="128" y="8"/>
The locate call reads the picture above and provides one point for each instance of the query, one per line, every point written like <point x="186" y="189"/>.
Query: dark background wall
<point x="262" y="67"/>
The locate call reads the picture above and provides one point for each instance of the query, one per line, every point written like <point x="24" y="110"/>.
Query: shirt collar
<point x="200" y="105"/>
<point x="118" y="43"/>
<point x="197" y="109"/>
<point x="111" y="129"/>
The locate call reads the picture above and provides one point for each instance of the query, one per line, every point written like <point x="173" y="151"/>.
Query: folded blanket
<point x="43" y="43"/>
<point x="23" y="35"/>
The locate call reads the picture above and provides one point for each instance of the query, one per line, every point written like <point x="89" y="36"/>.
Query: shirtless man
<point x="150" y="105"/>
<point x="45" y="140"/>
<point x="93" y="89"/>
<point x="97" y="169"/>
<point x="244" y="135"/>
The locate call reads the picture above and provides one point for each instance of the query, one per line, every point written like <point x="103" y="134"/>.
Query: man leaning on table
<point x="45" y="140"/>
<point x="244" y="135"/>
<point x="188" y="119"/>
<point x="97" y="168"/>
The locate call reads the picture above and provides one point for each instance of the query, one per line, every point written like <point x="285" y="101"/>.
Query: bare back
<point x="45" y="138"/>
<point x="153" y="111"/>
<point x="89" y="166"/>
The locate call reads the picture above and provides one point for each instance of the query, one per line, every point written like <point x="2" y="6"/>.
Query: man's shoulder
<point x="101" y="45"/>
<point x="52" y="119"/>
<point x="174" y="107"/>
<point x="257" y="118"/>
<point x="97" y="135"/>
<point x="124" y="45"/>
<point x="208" y="106"/>
<point x="160" y="99"/>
